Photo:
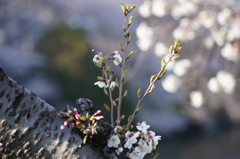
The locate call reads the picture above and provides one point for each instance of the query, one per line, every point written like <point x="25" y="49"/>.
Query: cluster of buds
<point x="85" y="123"/>
<point x="139" y="143"/>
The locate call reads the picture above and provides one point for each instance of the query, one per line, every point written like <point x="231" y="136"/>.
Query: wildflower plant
<point x="137" y="143"/>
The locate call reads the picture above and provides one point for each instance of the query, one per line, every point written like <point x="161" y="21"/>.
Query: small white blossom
<point x="181" y="67"/>
<point x="111" y="84"/>
<point x="155" y="140"/>
<point x="213" y="85"/>
<point x="224" y="16"/>
<point x="144" y="9"/>
<point x="136" y="154"/>
<point x="196" y="99"/>
<point x="100" y="84"/>
<point x="227" y="81"/>
<point x="97" y="58"/>
<point x="117" y="58"/>
<point x="145" y="36"/>
<point x="171" y="83"/>
<point x="231" y="52"/>
<point x="159" y="8"/>
<point x="114" y="141"/>
<point x="119" y="150"/>
<point x="131" y="139"/>
<point x="160" y="49"/>
<point x="143" y="127"/>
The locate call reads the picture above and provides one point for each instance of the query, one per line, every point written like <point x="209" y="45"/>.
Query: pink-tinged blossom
<point x="114" y="141"/>
<point x="98" y="117"/>
<point x="62" y="127"/>
<point x="117" y="58"/>
<point x="131" y="139"/>
<point x="1" y="144"/>
<point x="155" y="140"/>
<point x="119" y="150"/>
<point x="117" y="129"/>
<point x="100" y="84"/>
<point x="143" y="127"/>
<point x="136" y="154"/>
<point x="97" y="58"/>
<point x="61" y="114"/>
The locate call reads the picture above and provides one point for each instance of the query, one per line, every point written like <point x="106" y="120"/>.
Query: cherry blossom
<point x="114" y="141"/>
<point x="143" y="127"/>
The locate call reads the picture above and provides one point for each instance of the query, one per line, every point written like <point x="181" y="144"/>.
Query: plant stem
<point x="147" y="92"/>
<point x="122" y="73"/>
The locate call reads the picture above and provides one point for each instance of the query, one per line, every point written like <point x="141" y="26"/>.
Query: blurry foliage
<point x="70" y="64"/>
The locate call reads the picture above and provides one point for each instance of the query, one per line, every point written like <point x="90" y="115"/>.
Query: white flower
<point x="227" y="81"/>
<point x="100" y="84"/>
<point x="218" y="36"/>
<point x="213" y="85"/>
<point x="155" y="140"/>
<point x="143" y="127"/>
<point x="160" y="49"/>
<point x="136" y="154"/>
<point x="114" y="141"/>
<point x="206" y="19"/>
<point x="144" y="9"/>
<point x="117" y="57"/>
<point x="119" y="150"/>
<point x="97" y="58"/>
<point x="171" y="83"/>
<point x="131" y="139"/>
<point x="159" y="8"/>
<point x="110" y="84"/>
<point x="181" y="67"/>
<point x="196" y="99"/>
<point x="231" y="52"/>
<point x="145" y="145"/>
<point x="183" y="9"/>
<point x="145" y="36"/>
<point x="224" y="16"/>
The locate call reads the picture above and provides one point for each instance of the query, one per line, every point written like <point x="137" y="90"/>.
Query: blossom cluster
<point x="100" y="61"/>
<point x="85" y="123"/>
<point x="138" y="143"/>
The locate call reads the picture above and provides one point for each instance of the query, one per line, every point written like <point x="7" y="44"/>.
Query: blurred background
<point x="46" y="46"/>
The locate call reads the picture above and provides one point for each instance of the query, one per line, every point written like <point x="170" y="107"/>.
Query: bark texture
<point x="30" y="128"/>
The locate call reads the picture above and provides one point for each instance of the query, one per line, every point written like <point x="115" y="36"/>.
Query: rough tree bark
<point x="30" y="128"/>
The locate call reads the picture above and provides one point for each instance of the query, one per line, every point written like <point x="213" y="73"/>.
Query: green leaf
<point x="123" y="7"/>
<point x="125" y="93"/>
<point x="131" y="53"/>
<point x="121" y="46"/>
<point x="130" y="117"/>
<point x="156" y="156"/>
<point x="153" y="77"/>
<point x="106" y="107"/>
<point x="151" y="89"/>
<point x="175" y="57"/>
<point x="126" y="69"/>
<point x="163" y="64"/>
<point x="139" y="108"/>
<point x="139" y="93"/>
<point x="105" y="91"/>
<point x="163" y="74"/>
<point x="85" y="139"/>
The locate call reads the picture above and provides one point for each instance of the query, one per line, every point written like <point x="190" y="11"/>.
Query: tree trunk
<point x="30" y="128"/>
